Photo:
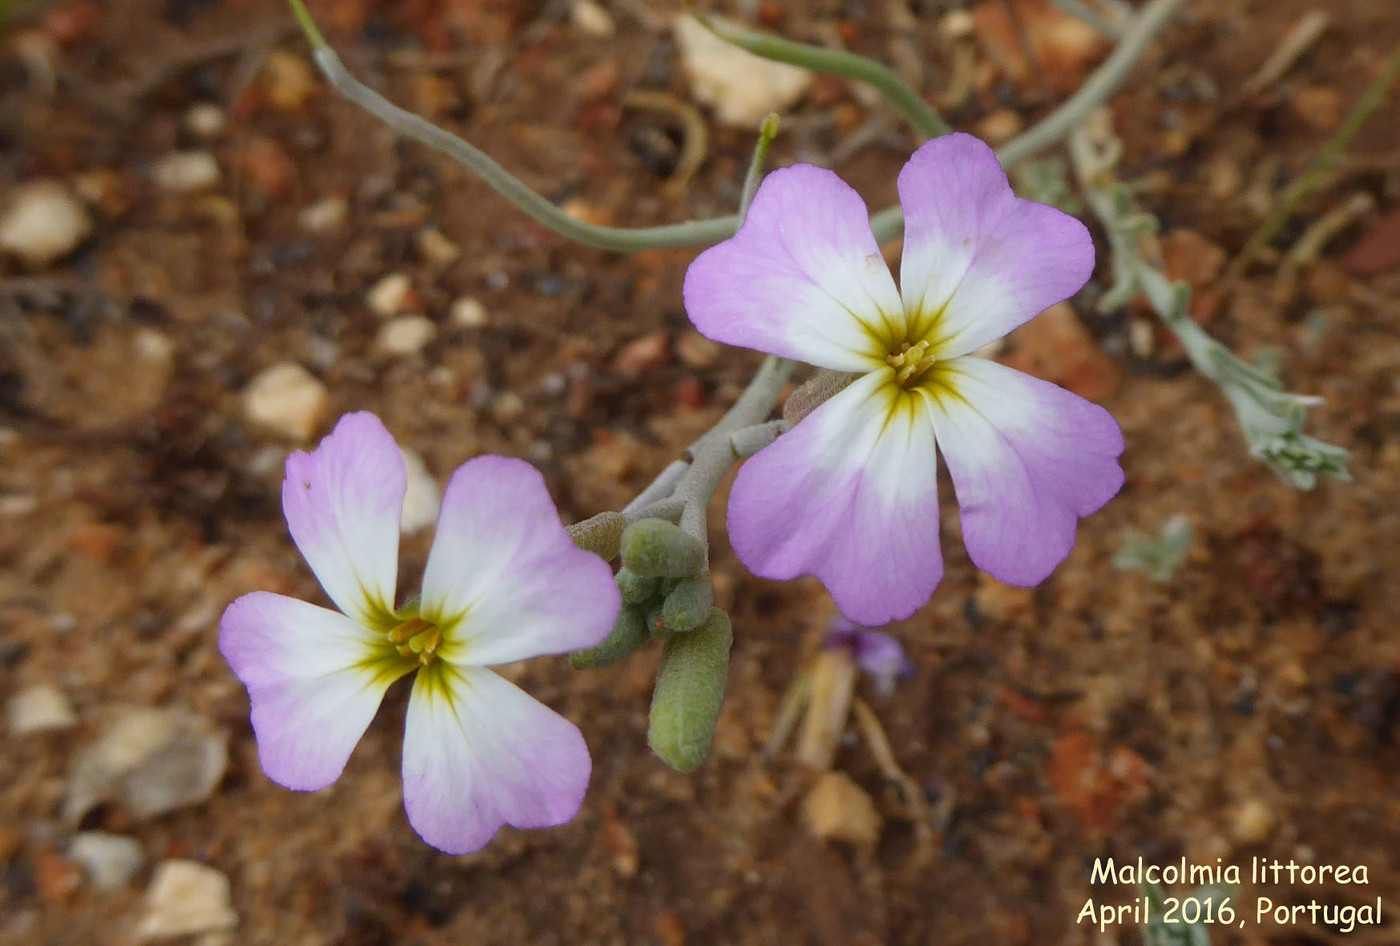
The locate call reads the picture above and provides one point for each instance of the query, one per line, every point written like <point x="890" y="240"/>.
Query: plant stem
<point x="1366" y="106"/>
<point x="539" y="209"/>
<point x="766" y="133"/>
<point x="1050" y="130"/>
<point x="896" y="91"/>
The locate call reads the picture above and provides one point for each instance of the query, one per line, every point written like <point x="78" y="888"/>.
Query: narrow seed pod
<point x="637" y="590"/>
<point x="688" y="604"/>
<point x="655" y="548"/>
<point x="628" y="635"/>
<point x="599" y="535"/>
<point x="689" y="692"/>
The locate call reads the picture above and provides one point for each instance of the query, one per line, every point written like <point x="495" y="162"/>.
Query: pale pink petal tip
<point x="311" y="693"/>
<point x="1028" y="460"/>
<point x="343" y="501"/>
<point x="849" y="496"/>
<point x="502" y="558"/>
<point x="985" y="259"/>
<point x="480" y="754"/>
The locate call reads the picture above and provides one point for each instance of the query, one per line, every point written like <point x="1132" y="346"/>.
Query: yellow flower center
<point x="416" y="638"/>
<point x="910" y="362"/>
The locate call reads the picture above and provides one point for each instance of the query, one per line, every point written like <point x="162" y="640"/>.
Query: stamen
<point x="417" y="637"/>
<point x="910" y="362"/>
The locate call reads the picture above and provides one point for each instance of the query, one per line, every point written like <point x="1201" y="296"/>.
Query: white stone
<point x="185" y="898"/>
<point x="152" y="760"/>
<point x="390" y="295"/>
<point x="436" y="248"/>
<point x="406" y="335"/>
<point x="325" y="216"/>
<point x="108" y="860"/>
<point x="286" y="399"/>
<point x="186" y="172"/>
<point x="741" y="87"/>
<point x="40" y="708"/>
<point x="44" y="223"/>
<point x="591" y="18"/>
<point x="422" y="499"/>
<point x="154" y="347"/>
<point x="205" y="120"/>
<point x="467" y="312"/>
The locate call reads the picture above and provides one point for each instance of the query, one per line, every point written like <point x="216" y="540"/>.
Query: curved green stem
<point x="1052" y="129"/>
<point x="896" y="91"/>
<point x="538" y="208"/>
<point x="766" y="133"/>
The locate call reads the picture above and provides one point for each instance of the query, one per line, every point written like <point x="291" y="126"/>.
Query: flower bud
<point x="688" y="604"/>
<point x="689" y="692"/>
<point x="628" y="635"/>
<point x="637" y="590"/>
<point x="600" y="534"/>
<point x="655" y="548"/>
<point x="815" y="392"/>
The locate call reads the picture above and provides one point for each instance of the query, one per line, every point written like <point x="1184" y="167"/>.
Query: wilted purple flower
<point x="850" y="493"/>
<point x="503" y="583"/>
<point x="879" y="654"/>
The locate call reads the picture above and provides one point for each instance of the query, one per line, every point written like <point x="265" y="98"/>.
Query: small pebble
<point x="436" y="248"/>
<point x="648" y="351"/>
<point x="44" y="223"/>
<point x="325" y="216"/>
<point x="405" y="335"/>
<point x="468" y="312"/>
<point x="1253" y="821"/>
<point x="287" y="80"/>
<point x="110" y="861"/>
<point x="739" y="86"/>
<point x="591" y="18"/>
<point x="423" y="497"/>
<point x="185" y="898"/>
<point x="286" y="399"/>
<point x="186" y="172"/>
<point x="40" y="708"/>
<point x="205" y="121"/>
<point x="391" y="295"/>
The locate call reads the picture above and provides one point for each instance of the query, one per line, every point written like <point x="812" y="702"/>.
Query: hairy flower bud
<point x="688" y="604"/>
<point x="655" y="548"/>
<point x="689" y="691"/>
<point x="627" y="637"/>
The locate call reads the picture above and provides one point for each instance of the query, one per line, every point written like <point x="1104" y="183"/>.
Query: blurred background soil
<point x="243" y="256"/>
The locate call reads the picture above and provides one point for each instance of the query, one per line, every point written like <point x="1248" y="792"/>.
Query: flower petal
<point x="803" y="278"/>
<point x="343" y="501"/>
<point x="849" y="495"/>
<point x="504" y="580"/>
<point x="315" y="679"/>
<point x="479" y="753"/>
<point x="978" y="260"/>
<point x="1027" y="459"/>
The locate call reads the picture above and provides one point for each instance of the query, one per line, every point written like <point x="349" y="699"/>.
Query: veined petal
<point x="479" y="753"/>
<point x="504" y="580"/>
<point x="978" y="260"/>
<point x="1027" y="459"/>
<point x="803" y="278"/>
<point x="849" y="495"/>
<point x="315" y="679"/>
<point x="343" y="501"/>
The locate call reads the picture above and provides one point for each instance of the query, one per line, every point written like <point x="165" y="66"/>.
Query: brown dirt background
<point x="1101" y="714"/>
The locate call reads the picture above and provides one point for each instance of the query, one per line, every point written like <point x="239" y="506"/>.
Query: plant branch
<point x="896" y="91"/>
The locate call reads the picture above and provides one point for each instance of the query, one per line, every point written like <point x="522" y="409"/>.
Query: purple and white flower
<point x="879" y="655"/>
<point x="850" y="493"/>
<point x="503" y="583"/>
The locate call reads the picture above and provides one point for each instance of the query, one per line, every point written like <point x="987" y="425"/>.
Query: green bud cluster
<point x="666" y="593"/>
